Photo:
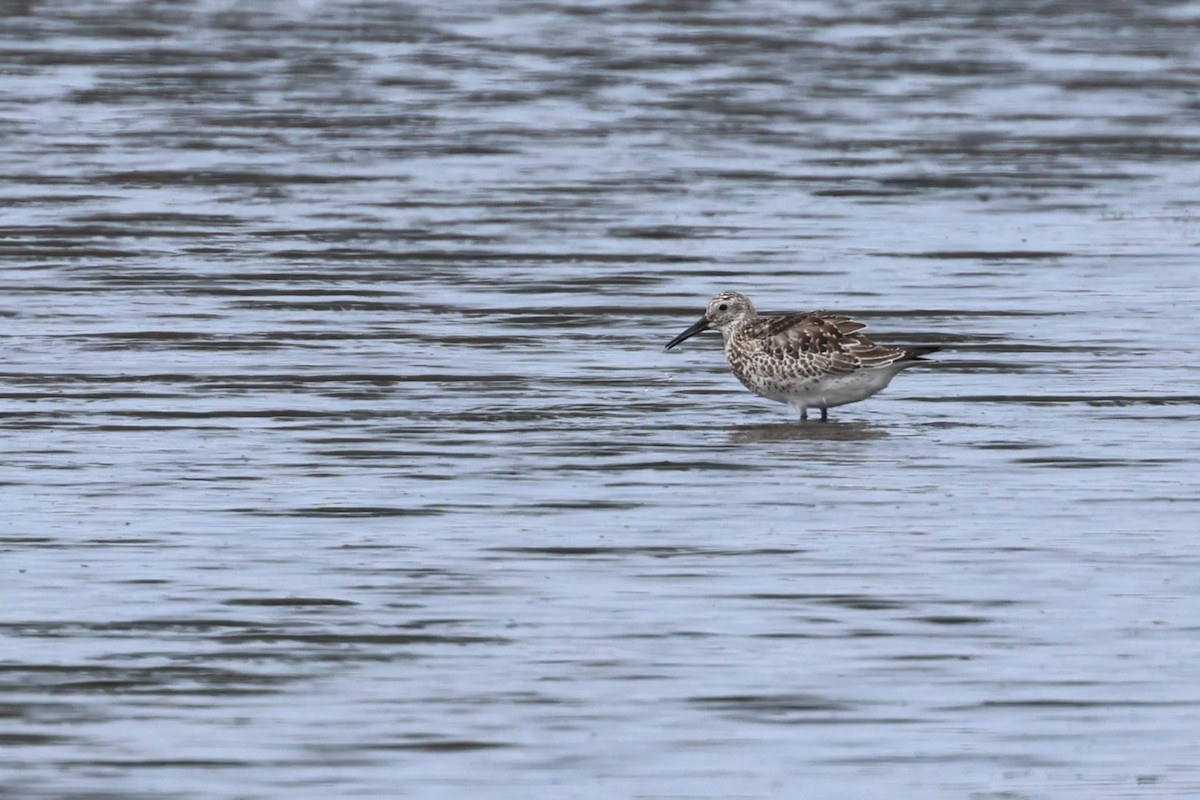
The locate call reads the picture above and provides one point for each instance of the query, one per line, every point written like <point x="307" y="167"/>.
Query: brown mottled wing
<point x="830" y="343"/>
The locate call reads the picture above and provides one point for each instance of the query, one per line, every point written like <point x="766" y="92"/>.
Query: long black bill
<point x="689" y="333"/>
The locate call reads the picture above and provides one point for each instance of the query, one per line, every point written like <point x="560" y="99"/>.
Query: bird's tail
<point x="914" y="353"/>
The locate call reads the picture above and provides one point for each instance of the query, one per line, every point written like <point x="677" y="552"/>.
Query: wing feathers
<point x="827" y="343"/>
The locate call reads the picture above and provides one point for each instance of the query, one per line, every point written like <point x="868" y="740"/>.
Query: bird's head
<point x="726" y="312"/>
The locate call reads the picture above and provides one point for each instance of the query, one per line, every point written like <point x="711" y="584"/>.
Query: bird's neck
<point x="736" y="329"/>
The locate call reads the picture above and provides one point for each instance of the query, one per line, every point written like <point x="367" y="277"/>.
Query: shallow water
<point x="343" y="459"/>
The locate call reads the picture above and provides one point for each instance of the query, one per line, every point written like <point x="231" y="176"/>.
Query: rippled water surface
<point x="342" y="457"/>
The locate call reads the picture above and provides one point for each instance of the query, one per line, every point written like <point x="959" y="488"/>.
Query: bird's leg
<point x="803" y="414"/>
<point x="824" y="415"/>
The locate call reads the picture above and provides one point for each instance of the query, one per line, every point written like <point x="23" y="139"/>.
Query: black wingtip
<point x="913" y="353"/>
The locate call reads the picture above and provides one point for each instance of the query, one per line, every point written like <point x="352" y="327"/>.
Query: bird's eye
<point x="723" y="307"/>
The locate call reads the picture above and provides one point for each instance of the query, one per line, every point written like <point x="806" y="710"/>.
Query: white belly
<point x="828" y="391"/>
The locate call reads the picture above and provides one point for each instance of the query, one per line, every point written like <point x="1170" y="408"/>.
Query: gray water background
<point x="342" y="457"/>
